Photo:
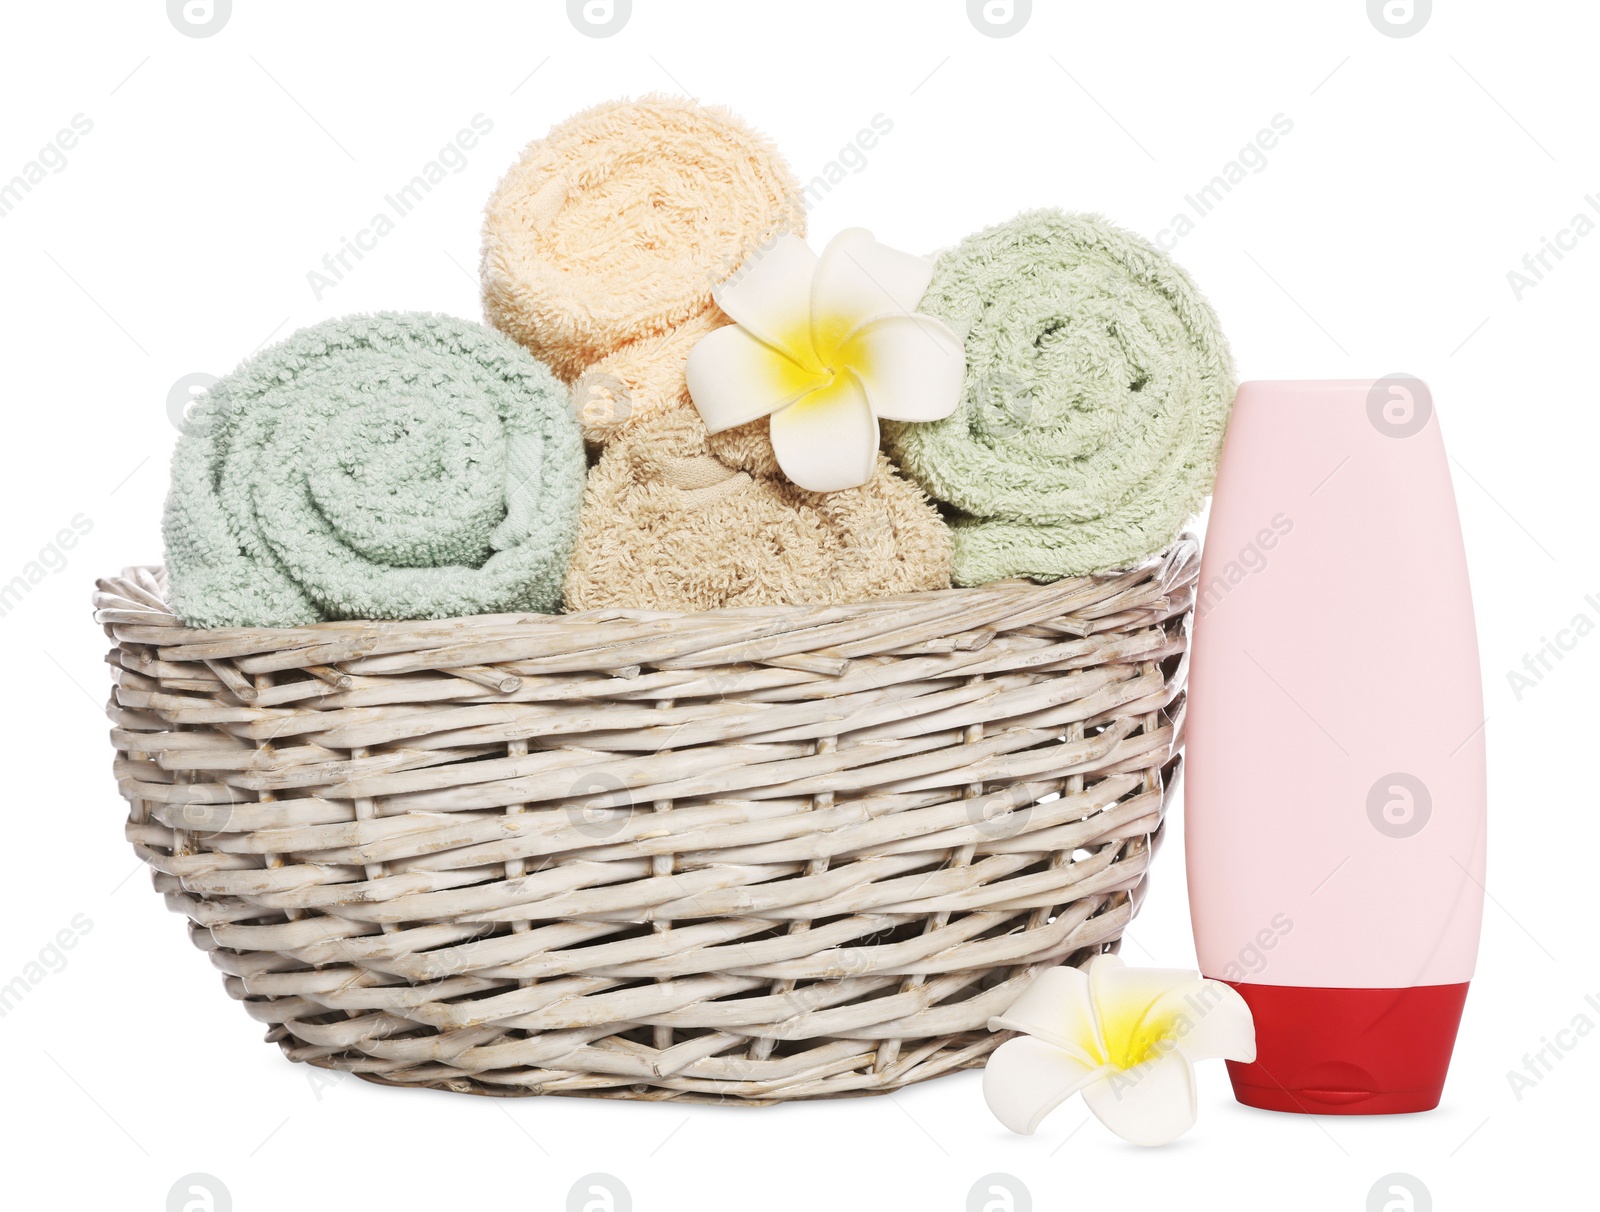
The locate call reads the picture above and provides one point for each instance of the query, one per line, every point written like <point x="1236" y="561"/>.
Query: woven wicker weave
<point x="745" y="855"/>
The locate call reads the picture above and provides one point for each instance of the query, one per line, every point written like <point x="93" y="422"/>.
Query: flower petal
<point x="770" y="294"/>
<point x="912" y="367"/>
<point x="1149" y="1104"/>
<point x="1125" y="1000"/>
<point x="827" y="440"/>
<point x="1209" y="1021"/>
<point x="734" y="378"/>
<point x="1026" y="1079"/>
<point x="859" y="280"/>
<point x="1055" y="1008"/>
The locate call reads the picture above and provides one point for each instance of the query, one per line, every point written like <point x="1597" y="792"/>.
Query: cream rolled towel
<point x="1098" y="387"/>
<point x="643" y="378"/>
<point x="673" y="520"/>
<point x="614" y="227"/>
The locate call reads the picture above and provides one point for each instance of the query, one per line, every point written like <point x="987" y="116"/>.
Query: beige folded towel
<point x="673" y="520"/>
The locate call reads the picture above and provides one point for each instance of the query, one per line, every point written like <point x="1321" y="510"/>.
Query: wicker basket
<point x="742" y="856"/>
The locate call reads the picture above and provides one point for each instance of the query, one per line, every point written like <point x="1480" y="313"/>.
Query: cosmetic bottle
<point x="1335" y="787"/>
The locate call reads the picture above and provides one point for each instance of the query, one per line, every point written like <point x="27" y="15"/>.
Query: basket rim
<point x="137" y="596"/>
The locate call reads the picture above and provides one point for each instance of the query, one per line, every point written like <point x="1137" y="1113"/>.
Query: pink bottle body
<point x="1335" y="785"/>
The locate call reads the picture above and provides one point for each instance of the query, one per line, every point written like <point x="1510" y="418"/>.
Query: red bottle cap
<point x="1348" y="1051"/>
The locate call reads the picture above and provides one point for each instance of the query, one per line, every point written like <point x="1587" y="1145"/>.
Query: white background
<point x="1377" y="238"/>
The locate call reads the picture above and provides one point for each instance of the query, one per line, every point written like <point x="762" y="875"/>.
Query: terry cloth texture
<point x="643" y="378"/>
<point x="614" y="227"/>
<point x="1098" y="387"/>
<point x="392" y="466"/>
<point x="674" y="521"/>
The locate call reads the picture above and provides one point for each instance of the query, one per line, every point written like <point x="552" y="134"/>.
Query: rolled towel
<point x="614" y="227"/>
<point x="393" y="466"/>
<point x="1098" y="387"/>
<point x="674" y="521"/>
<point x="643" y="378"/>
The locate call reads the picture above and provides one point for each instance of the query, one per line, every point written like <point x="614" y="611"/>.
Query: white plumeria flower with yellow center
<point x="826" y="345"/>
<point x="1127" y="1038"/>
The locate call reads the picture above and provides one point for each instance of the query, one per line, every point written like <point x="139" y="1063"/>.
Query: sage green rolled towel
<point x="1098" y="387"/>
<point x="391" y="466"/>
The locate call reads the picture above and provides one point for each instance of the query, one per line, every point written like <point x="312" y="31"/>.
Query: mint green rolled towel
<point x="391" y="466"/>
<point x="1098" y="388"/>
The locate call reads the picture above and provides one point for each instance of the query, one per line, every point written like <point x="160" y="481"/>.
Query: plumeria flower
<point x="826" y="345"/>
<point x="1127" y="1038"/>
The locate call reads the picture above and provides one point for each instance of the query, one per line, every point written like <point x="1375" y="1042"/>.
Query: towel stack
<point x="400" y="466"/>
<point x="601" y="249"/>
